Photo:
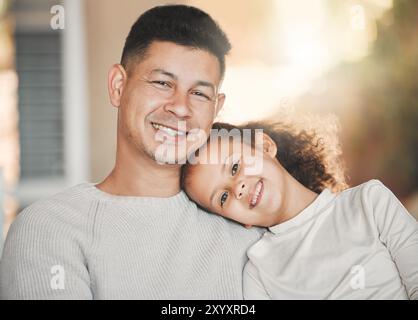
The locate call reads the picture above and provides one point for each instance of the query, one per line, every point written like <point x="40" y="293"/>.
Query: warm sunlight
<point x="310" y="37"/>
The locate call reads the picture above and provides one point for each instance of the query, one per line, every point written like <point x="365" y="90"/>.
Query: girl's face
<point x="232" y="188"/>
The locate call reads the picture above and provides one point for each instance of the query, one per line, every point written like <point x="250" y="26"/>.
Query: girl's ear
<point x="248" y="226"/>
<point x="269" y="146"/>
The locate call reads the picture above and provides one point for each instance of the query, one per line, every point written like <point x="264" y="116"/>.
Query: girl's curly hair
<point x="311" y="158"/>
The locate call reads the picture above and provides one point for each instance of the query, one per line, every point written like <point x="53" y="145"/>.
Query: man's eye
<point x="200" y="94"/>
<point x="224" y="196"/>
<point x="235" y="168"/>
<point x="161" y="84"/>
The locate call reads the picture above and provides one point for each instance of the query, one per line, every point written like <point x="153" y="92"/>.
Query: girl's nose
<point x="240" y="189"/>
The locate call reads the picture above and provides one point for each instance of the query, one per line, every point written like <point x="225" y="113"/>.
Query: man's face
<point x="171" y="91"/>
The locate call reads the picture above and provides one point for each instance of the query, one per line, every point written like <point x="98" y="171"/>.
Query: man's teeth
<point x="256" y="193"/>
<point x="169" y="131"/>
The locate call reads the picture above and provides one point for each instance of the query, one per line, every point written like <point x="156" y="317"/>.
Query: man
<point x="136" y="235"/>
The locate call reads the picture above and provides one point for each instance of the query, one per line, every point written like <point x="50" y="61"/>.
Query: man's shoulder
<point x="236" y="230"/>
<point x="69" y="205"/>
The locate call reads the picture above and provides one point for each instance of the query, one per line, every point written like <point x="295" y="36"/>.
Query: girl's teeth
<point x="256" y="193"/>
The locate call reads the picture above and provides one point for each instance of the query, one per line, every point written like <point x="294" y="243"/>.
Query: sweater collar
<point x="180" y="199"/>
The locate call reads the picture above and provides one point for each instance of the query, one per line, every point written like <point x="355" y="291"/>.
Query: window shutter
<point x="38" y="64"/>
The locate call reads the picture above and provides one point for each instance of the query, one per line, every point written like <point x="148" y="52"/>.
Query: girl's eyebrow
<point x="211" y="197"/>
<point x="225" y="162"/>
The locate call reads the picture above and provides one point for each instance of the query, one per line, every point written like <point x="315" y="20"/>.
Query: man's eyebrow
<point x="198" y="83"/>
<point x="222" y="171"/>
<point x="205" y="84"/>
<point x="164" y="72"/>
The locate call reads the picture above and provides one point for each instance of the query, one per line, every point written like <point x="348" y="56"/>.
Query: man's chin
<point x="173" y="154"/>
<point x="169" y="157"/>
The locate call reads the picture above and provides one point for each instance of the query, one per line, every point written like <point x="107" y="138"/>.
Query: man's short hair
<point x="180" y="24"/>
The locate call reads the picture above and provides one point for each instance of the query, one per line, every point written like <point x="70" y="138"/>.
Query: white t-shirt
<point x="359" y="244"/>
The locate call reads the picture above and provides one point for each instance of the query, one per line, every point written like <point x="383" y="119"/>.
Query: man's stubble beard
<point x="154" y="155"/>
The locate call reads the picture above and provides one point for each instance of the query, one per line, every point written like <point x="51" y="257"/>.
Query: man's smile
<point x="169" y="130"/>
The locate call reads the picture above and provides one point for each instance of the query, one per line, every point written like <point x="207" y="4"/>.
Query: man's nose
<point x="241" y="188"/>
<point x="178" y="106"/>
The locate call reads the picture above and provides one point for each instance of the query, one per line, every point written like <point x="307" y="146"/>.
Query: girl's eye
<point x="235" y="168"/>
<point x="224" y="196"/>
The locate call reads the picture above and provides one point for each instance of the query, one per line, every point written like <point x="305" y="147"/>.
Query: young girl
<point x="324" y="241"/>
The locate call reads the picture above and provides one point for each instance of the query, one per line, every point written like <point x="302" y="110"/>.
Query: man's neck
<point x="136" y="174"/>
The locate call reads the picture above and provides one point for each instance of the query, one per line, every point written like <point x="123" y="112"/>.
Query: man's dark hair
<point x="180" y="24"/>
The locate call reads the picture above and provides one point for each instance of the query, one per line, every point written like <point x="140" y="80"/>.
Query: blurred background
<point x="354" y="60"/>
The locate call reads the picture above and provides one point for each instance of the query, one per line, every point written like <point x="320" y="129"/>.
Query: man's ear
<point x="269" y="146"/>
<point x="116" y="81"/>
<point x="219" y="104"/>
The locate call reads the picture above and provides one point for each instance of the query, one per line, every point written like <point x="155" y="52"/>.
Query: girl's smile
<point x="257" y="194"/>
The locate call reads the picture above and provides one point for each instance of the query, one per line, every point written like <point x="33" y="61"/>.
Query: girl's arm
<point x="253" y="289"/>
<point x="399" y="232"/>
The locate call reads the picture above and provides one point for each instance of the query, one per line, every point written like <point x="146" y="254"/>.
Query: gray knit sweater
<point x="86" y="244"/>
